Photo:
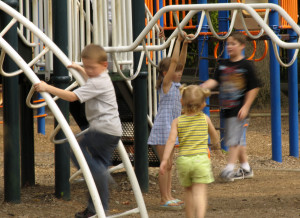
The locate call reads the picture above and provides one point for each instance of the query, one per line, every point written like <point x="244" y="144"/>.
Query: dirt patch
<point x="273" y="192"/>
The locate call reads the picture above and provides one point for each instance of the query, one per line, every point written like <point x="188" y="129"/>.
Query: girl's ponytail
<point x="182" y="88"/>
<point x="163" y="66"/>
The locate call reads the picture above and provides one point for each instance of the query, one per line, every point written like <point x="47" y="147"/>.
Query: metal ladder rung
<point x="132" y="211"/>
<point x="118" y="167"/>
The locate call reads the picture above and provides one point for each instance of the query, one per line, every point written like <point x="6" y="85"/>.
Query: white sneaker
<point x="227" y="175"/>
<point x="243" y="174"/>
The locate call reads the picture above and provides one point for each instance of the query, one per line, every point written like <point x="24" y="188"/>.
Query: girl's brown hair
<point x="95" y="52"/>
<point x="163" y="66"/>
<point x="193" y="97"/>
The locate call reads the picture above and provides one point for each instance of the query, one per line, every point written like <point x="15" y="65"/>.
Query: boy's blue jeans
<point x="97" y="148"/>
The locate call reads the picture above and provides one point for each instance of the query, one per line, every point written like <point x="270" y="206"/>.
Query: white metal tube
<point x="88" y="21"/>
<point x="95" y="23"/>
<point x="149" y="74"/>
<point x="75" y="31"/>
<point x="21" y="12"/>
<point x="69" y="17"/>
<point x="119" y="27"/>
<point x="113" y="29"/>
<point x="129" y="32"/>
<point x="8" y="26"/>
<point x="35" y="22"/>
<point x="123" y="26"/>
<point x="28" y="17"/>
<point x="106" y="21"/>
<point x="39" y="34"/>
<point x="193" y="8"/>
<point x="41" y="23"/>
<point x="133" y="181"/>
<point x="82" y="34"/>
<point x="246" y="28"/>
<point x="100" y="17"/>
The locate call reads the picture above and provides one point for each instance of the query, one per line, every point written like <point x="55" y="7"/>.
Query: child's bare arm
<point x="209" y="84"/>
<point x="183" y="52"/>
<point x="169" y="146"/>
<point x="168" y="78"/>
<point x="213" y="134"/>
<point x="61" y="93"/>
<point x="80" y="69"/>
<point x="249" y="98"/>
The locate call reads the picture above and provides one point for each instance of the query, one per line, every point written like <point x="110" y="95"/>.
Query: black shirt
<point x="235" y="80"/>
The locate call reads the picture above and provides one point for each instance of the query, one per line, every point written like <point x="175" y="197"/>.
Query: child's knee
<point x="169" y="166"/>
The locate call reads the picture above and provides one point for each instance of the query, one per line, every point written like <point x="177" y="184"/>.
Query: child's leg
<point x="233" y="154"/>
<point x="190" y="209"/>
<point x="165" y="180"/>
<point x="243" y="158"/>
<point x="200" y="199"/>
<point x="234" y="138"/>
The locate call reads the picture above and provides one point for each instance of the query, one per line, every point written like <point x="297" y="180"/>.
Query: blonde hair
<point x="193" y="97"/>
<point x="95" y="52"/>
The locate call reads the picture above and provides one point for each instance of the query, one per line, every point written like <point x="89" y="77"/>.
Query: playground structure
<point x="122" y="53"/>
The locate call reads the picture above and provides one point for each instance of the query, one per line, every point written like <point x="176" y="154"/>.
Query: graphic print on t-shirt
<point x="233" y="86"/>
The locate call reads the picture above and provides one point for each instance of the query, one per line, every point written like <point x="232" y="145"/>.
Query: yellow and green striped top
<point x="192" y="134"/>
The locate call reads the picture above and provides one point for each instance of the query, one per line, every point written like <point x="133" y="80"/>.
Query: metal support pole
<point x="293" y="99"/>
<point x="41" y="120"/>
<point x="27" y="136"/>
<point x="11" y="118"/>
<point x="61" y="80"/>
<point x="275" y="91"/>
<point x="203" y="53"/>
<point x="141" y="130"/>
<point x="26" y="123"/>
<point x="223" y="27"/>
<point x="140" y="103"/>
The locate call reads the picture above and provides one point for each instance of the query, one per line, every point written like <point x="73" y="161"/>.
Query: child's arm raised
<point x="183" y="52"/>
<point x="169" y="146"/>
<point x="213" y="134"/>
<point x="168" y="78"/>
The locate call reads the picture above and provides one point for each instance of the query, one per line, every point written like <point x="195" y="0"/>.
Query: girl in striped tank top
<point x="193" y="164"/>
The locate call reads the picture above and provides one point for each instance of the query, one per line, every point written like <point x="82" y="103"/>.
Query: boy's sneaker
<point x="84" y="214"/>
<point x="243" y="174"/>
<point x="227" y="175"/>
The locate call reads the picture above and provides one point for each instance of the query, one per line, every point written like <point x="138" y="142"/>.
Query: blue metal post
<point x="203" y="52"/>
<point x="223" y="27"/>
<point x="275" y="91"/>
<point x="162" y="17"/>
<point x="41" y="120"/>
<point x="293" y="99"/>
